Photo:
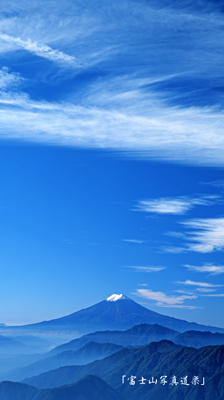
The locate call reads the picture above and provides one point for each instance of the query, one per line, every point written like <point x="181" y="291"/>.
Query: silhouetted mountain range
<point x="78" y="369"/>
<point x="143" y="334"/>
<point x="94" y="346"/>
<point x="154" y="360"/>
<point x="138" y="335"/>
<point x="88" y="353"/>
<point x="199" y="339"/>
<point x="101" y="344"/>
<point x="88" y="388"/>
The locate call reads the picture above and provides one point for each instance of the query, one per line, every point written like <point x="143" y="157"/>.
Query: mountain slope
<point x="143" y="334"/>
<point x="199" y="339"/>
<point x="155" y="359"/>
<point x="138" y="335"/>
<point x="89" y="388"/>
<point x="9" y="346"/>
<point x="117" y="312"/>
<point x="112" y="367"/>
<point x="17" y="391"/>
<point x="121" y="314"/>
<point x="88" y="353"/>
<point x="74" y="353"/>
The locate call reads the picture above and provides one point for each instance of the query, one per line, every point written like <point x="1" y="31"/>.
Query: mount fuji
<point x="117" y="312"/>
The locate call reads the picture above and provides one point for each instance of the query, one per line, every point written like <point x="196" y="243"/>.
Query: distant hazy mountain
<point x="84" y="350"/>
<point x="117" y="312"/>
<point x="111" y="368"/>
<point x="10" y="346"/>
<point x="143" y="334"/>
<point x="88" y="388"/>
<point x="88" y="353"/>
<point x="138" y="335"/>
<point x="13" y="361"/>
<point x="199" y="339"/>
<point x="154" y="360"/>
<point x="38" y="344"/>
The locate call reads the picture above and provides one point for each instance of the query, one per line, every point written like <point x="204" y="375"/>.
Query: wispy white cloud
<point x="174" y="249"/>
<point x="125" y="113"/>
<point x="163" y="300"/>
<point x="218" y="183"/>
<point x="208" y="235"/>
<point x="147" y="269"/>
<point x="178" y="205"/>
<point x="204" y="290"/>
<point x="202" y="284"/>
<point x="210" y="268"/>
<point x="169" y="133"/>
<point x="184" y="292"/>
<point x="9" y="80"/>
<point x="163" y="206"/>
<point x="134" y="241"/>
<point x="41" y="50"/>
<point x="180" y="235"/>
<point x="178" y="306"/>
<point x="143" y="284"/>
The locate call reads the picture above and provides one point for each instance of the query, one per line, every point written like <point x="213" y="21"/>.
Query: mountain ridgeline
<point x="89" y="388"/>
<point x="138" y="335"/>
<point x="157" y="359"/>
<point x="99" y="345"/>
<point x="126" y="352"/>
<point x="117" y="312"/>
<point x="84" y="355"/>
<point x="142" y="334"/>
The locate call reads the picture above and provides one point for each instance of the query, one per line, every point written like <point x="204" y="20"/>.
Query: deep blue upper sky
<point x="111" y="157"/>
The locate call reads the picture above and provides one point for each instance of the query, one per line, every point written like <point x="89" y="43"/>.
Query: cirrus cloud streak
<point x="163" y="300"/>
<point x="166" y="132"/>
<point x="201" y="284"/>
<point x="172" y="205"/>
<point x="207" y="235"/>
<point x="147" y="269"/>
<point x="210" y="268"/>
<point x="41" y="50"/>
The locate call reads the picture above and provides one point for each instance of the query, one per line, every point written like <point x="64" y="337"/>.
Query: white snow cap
<point x="116" y="297"/>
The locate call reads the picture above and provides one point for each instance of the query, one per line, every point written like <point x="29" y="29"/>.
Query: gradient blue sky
<point x="111" y="157"/>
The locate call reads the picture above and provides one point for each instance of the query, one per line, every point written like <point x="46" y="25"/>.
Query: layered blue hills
<point x="116" y="338"/>
<point x="157" y="359"/>
<point x="89" y="388"/>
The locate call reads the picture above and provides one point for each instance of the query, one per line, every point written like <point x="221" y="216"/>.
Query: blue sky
<point x="111" y="160"/>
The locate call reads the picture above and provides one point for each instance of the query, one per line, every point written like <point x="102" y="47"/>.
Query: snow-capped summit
<point x="116" y="297"/>
<point x="109" y="314"/>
